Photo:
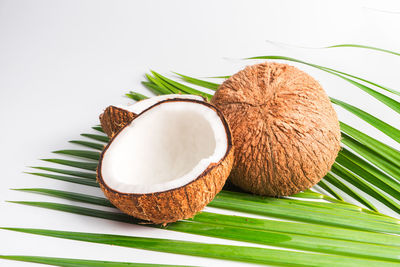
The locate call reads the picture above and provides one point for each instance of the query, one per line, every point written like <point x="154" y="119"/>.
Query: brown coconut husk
<point x="285" y="131"/>
<point x="114" y="119"/>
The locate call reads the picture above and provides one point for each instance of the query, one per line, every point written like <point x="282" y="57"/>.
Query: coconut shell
<point x="179" y="203"/>
<point x="285" y="131"/>
<point x="114" y="118"/>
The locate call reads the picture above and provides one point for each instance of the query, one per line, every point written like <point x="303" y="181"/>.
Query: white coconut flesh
<point x="142" y="105"/>
<point x="165" y="147"/>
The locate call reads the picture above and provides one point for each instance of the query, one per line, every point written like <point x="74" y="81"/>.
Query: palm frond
<point x="97" y="137"/>
<point x="235" y="253"/>
<point x="136" y="96"/>
<point x="328" y="189"/>
<point x="218" y="219"/>
<point x="79" y="262"/>
<point x="369" y="173"/>
<point x="327" y="230"/>
<point x="264" y="237"/>
<point x="388" y="153"/>
<point x="153" y="87"/>
<point x="348" y="176"/>
<point x="89" y="175"/>
<point x="90" y="166"/>
<point x="340" y="74"/>
<point x="86" y="154"/>
<point x="384" y="127"/>
<point x="177" y="88"/>
<point x="195" y="81"/>
<point x="348" y="190"/>
<point x="161" y="85"/>
<point x="70" y="179"/>
<point x="364" y="46"/>
<point x="96" y="146"/>
<point x="98" y="128"/>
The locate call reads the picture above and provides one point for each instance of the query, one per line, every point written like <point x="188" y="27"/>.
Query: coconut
<point x="285" y="131"/>
<point x="116" y="117"/>
<point x="169" y="162"/>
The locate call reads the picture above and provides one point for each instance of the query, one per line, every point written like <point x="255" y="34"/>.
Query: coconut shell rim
<point x="210" y="167"/>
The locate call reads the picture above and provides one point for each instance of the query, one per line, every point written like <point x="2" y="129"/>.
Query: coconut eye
<point x="168" y="162"/>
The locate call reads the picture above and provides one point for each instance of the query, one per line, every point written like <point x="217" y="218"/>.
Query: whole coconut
<point x="285" y="131"/>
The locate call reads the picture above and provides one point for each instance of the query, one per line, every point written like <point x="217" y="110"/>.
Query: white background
<point x="62" y="62"/>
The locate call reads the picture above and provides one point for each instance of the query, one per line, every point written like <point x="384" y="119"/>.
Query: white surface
<point x="62" y="62"/>
<point x="164" y="148"/>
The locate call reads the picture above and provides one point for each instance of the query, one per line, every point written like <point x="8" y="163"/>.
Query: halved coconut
<point x="169" y="162"/>
<point x="116" y="117"/>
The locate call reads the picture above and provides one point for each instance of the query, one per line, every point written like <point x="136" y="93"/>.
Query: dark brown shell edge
<point x="114" y="119"/>
<point x="285" y="131"/>
<point x="178" y="203"/>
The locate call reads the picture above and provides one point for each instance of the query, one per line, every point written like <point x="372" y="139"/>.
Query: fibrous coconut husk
<point x="285" y="131"/>
<point x="114" y="119"/>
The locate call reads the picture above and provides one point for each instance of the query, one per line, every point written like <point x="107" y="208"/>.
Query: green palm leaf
<point x="328" y="189"/>
<point x="78" y="262"/>
<point x="369" y="173"/>
<point x="236" y="253"/>
<point x="264" y="237"/>
<point x="90" y="166"/>
<point x="195" y="81"/>
<point x="153" y="88"/>
<point x="340" y="74"/>
<point x="89" y="175"/>
<point x="364" y="186"/>
<point x="214" y="218"/>
<point x="338" y="184"/>
<point x="97" y="137"/>
<point x="98" y="128"/>
<point x="86" y="154"/>
<point x="173" y="86"/>
<point x="364" y="46"/>
<point x="88" y="144"/>
<point x="82" y="181"/>
<point x="384" y="127"/>
<point x="136" y="96"/>
<point x="388" y="153"/>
